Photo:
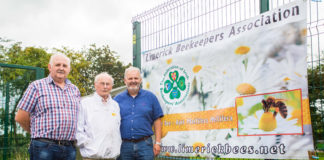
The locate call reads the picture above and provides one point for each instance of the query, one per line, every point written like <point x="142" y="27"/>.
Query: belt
<point x="58" y="142"/>
<point x="137" y="140"/>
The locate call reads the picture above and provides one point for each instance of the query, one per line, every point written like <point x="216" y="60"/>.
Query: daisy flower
<point x="206" y="75"/>
<point x="292" y="69"/>
<point x="253" y="78"/>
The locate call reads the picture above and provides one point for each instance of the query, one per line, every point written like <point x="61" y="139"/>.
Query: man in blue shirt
<point x="139" y="110"/>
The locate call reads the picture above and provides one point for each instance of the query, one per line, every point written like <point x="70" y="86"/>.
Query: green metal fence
<point x="14" y="79"/>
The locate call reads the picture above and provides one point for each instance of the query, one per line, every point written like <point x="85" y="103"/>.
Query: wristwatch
<point x="158" y="143"/>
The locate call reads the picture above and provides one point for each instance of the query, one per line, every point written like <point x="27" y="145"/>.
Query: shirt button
<point x="132" y="112"/>
<point x="132" y="121"/>
<point x="133" y="105"/>
<point x="132" y="129"/>
<point x="133" y="137"/>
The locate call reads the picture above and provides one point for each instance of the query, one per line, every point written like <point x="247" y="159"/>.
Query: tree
<point x="316" y="100"/>
<point x="85" y="64"/>
<point x="102" y="60"/>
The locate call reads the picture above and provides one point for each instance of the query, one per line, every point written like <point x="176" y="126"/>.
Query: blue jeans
<point x="40" y="150"/>
<point x="142" y="150"/>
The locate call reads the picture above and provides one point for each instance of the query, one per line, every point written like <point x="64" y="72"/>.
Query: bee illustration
<point x="271" y="106"/>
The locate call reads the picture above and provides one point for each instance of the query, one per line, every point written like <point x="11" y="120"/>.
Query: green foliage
<point x="105" y="60"/>
<point x="85" y="64"/>
<point x="255" y="108"/>
<point x="15" y="54"/>
<point x="316" y="100"/>
<point x="316" y="82"/>
<point x="89" y="62"/>
<point x="17" y="149"/>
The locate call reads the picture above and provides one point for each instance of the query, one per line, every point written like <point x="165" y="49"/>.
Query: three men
<point x="98" y="134"/>
<point x="48" y="110"/>
<point x="139" y="110"/>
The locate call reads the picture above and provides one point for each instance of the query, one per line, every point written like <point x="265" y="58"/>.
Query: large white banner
<point x="238" y="92"/>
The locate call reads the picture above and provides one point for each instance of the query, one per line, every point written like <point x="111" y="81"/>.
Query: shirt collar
<point x="100" y="99"/>
<point x="50" y="80"/>
<point x="139" y="92"/>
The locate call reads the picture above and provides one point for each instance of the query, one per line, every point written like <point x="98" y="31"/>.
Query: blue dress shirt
<point x="138" y="114"/>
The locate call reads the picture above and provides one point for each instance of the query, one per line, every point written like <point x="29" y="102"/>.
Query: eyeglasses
<point x="104" y="84"/>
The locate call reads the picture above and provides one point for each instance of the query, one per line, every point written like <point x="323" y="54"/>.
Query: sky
<point x="73" y="23"/>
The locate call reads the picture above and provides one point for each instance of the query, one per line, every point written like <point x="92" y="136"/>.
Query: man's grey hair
<point x="58" y="55"/>
<point x="104" y="74"/>
<point x="131" y="68"/>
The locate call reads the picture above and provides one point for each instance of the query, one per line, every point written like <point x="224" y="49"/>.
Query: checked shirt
<point x="53" y="110"/>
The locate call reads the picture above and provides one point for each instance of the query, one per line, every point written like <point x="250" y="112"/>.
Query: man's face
<point x="103" y="86"/>
<point x="133" y="80"/>
<point x="60" y="69"/>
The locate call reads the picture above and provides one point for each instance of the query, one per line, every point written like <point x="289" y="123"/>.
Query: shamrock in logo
<point x="175" y="84"/>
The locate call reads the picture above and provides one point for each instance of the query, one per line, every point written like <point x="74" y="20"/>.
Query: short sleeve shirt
<point x="138" y="113"/>
<point x="53" y="110"/>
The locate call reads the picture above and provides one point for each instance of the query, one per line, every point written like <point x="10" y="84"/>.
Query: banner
<point x="238" y="92"/>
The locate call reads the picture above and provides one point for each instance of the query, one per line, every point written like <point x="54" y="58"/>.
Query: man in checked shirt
<point x="48" y="110"/>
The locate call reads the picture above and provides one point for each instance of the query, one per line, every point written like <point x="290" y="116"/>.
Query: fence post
<point x="40" y="73"/>
<point x="6" y="120"/>
<point x="137" y="44"/>
<point x="264" y="6"/>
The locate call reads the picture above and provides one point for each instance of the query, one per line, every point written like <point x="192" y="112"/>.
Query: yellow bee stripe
<point x="306" y="112"/>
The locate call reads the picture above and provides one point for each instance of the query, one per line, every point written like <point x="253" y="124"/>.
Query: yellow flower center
<point x="198" y="144"/>
<point x="147" y="85"/>
<point x="286" y="79"/>
<point x="242" y="50"/>
<point x="196" y="68"/>
<point x="245" y="88"/>
<point x="267" y="122"/>
<point x="169" y="61"/>
<point x="304" y="32"/>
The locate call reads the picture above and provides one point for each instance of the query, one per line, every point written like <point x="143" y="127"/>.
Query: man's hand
<point x="158" y="132"/>
<point x="156" y="149"/>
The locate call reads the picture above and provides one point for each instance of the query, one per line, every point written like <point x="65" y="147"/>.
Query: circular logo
<point x="174" y="86"/>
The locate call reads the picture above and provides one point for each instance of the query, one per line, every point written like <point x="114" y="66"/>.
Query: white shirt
<point x="98" y="134"/>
